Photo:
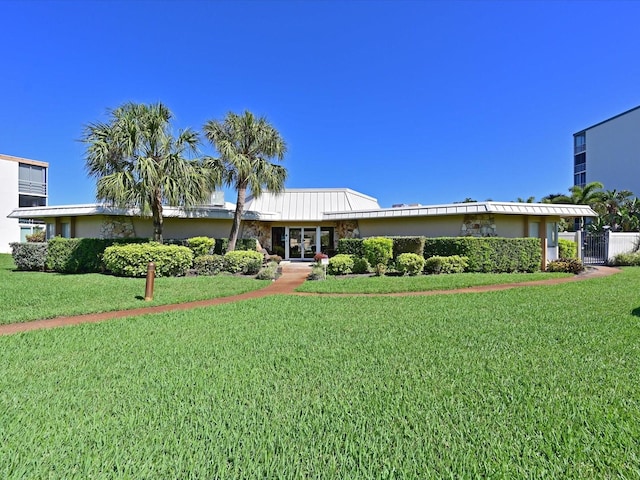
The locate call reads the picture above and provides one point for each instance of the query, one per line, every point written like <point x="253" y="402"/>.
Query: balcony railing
<point x="37" y="188"/>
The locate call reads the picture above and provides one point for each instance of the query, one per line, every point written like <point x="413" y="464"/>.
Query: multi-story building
<point x="23" y="183"/>
<point x="609" y="152"/>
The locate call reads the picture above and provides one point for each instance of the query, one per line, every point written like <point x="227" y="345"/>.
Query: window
<point x="32" y="179"/>
<point x="579" y="143"/>
<point x="552" y="234"/>
<point x="65" y="230"/>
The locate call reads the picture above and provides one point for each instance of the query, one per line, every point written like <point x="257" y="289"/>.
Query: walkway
<point x="293" y="275"/>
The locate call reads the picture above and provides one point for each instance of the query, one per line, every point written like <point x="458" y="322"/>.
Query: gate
<point x="595" y="248"/>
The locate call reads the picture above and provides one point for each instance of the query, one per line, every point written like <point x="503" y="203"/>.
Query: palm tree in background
<point x="590" y="195"/>
<point x="247" y="145"/>
<point x="139" y="163"/>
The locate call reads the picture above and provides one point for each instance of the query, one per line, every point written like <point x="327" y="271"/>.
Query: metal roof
<point x="309" y="204"/>
<point x="513" y="208"/>
<point x="101" y="209"/>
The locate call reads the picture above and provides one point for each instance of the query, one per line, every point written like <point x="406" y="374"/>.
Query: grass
<point x="539" y="382"/>
<point x="421" y="283"/>
<point x="35" y="295"/>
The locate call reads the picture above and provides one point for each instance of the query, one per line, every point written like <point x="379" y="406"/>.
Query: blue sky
<point x="407" y="101"/>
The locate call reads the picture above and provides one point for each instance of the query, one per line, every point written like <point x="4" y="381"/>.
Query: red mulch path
<point x="292" y="276"/>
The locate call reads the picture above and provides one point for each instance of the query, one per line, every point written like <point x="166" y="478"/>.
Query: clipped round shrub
<point x="378" y="250"/>
<point x="341" y="264"/>
<point x="361" y="265"/>
<point x="565" y="265"/>
<point x="132" y="260"/>
<point x="247" y="262"/>
<point x="380" y="269"/>
<point x="410" y="263"/>
<point x="29" y="256"/>
<point x="567" y="248"/>
<point x="208" y="264"/>
<point x="201" y="245"/>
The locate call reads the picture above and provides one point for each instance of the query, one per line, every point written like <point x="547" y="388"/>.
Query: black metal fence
<point x="595" y="248"/>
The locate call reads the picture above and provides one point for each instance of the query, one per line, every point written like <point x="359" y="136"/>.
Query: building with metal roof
<point x="298" y="223"/>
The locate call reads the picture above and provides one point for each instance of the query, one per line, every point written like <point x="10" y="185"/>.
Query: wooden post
<point x="151" y="274"/>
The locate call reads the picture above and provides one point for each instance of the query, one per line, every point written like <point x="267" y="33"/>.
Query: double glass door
<point x="302" y="242"/>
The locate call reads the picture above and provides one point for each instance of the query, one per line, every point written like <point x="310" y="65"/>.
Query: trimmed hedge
<point x="81" y="255"/>
<point x="410" y="263"/>
<point x="208" y="264"/>
<point x="453" y="264"/>
<point x="132" y="260"/>
<point x="222" y="245"/>
<point x="567" y="248"/>
<point x="566" y="265"/>
<point x="407" y="245"/>
<point x="247" y="262"/>
<point x="201" y="245"/>
<point x="489" y="255"/>
<point x="351" y="246"/>
<point x="30" y="256"/>
<point x="341" y="264"/>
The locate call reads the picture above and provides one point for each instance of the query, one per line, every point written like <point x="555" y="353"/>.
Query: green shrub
<point x="407" y="245"/>
<point x="317" y="273"/>
<point x="378" y="250"/>
<point x="410" y="263"/>
<point x="208" y="264"/>
<point x="247" y="262"/>
<point x="566" y="265"/>
<point x="222" y="245"/>
<point x="132" y="260"/>
<point x="81" y="255"/>
<point x="627" y="259"/>
<point x="567" y="248"/>
<point x="341" y="264"/>
<point x="489" y="255"/>
<point x="268" y="272"/>
<point x="201" y="245"/>
<point x="380" y="269"/>
<point x="361" y="265"/>
<point x="351" y="246"/>
<point x="451" y="264"/>
<point x="29" y="256"/>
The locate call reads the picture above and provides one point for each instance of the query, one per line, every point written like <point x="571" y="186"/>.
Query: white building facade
<point x="23" y="183"/>
<point x="609" y="152"/>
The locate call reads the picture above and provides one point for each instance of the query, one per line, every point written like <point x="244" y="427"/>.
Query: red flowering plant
<point x="319" y="256"/>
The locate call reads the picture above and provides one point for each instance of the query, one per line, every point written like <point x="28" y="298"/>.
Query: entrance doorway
<point x="301" y="243"/>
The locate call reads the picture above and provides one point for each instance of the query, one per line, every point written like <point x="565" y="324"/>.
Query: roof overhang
<point x="472" y="208"/>
<point x="203" y="212"/>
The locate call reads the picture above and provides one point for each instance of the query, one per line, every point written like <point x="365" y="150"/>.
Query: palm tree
<point x="610" y="204"/>
<point x="527" y="200"/>
<point x="247" y="145"/>
<point x="139" y="163"/>
<point x="590" y="195"/>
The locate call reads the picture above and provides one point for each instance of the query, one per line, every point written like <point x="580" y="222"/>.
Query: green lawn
<point x="538" y="382"/>
<point x="421" y="283"/>
<point x="36" y="295"/>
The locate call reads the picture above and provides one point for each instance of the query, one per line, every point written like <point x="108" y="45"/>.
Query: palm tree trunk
<point x="237" y="217"/>
<point x="156" y="210"/>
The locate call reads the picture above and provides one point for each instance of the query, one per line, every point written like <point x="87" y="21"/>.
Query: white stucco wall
<point x="613" y="153"/>
<point x="9" y="227"/>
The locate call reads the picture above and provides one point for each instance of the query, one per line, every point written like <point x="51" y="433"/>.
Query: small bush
<point x="317" y="273"/>
<point x="361" y="265"/>
<point x="247" y="262"/>
<point x="451" y="264"/>
<point x="567" y="248"/>
<point x="201" y="245"/>
<point x="410" y="263"/>
<point x="341" y="264"/>
<point x="378" y="250"/>
<point x="208" y="264"/>
<point x="566" y="265"/>
<point x="627" y="259"/>
<point x="29" y="256"/>
<point x="132" y="260"/>
<point x="268" y="272"/>
<point x="380" y="269"/>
